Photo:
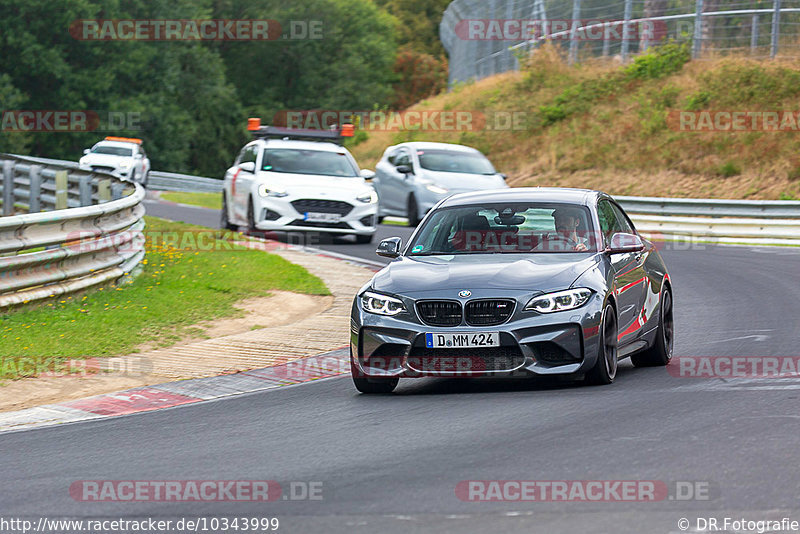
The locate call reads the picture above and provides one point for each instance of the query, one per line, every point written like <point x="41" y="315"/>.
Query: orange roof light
<point x="125" y="140"/>
<point x="253" y="124"/>
<point x="348" y="130"/>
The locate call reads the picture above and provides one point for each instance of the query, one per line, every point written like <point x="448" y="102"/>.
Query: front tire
<point x="364" y="239"/>
<point x="224" y="220"/>
<point x="413" y="211"/>
<point x="251" y="218"/>
<point x="661" y="352"/>
<point x="605" y="369"/>
<point x="372" y="386"/>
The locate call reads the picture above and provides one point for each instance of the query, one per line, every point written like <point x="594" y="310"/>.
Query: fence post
<point x="776" y="21"/>
<point x="606" y="38"/>
<point x="626" y="31"/>
<point x="754" y="34"/>
<point x="35" y="201"/>
<point x="573" y="36"/>
<point x="697" y="43"/>
<point x="62" y="185"/>
<point x="8" y="187"/>
<point x="85" y="190"/>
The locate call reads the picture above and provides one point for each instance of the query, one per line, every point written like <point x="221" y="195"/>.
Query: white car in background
<point x="299" y="181"/>
<point x="121" y="156"/>
<point x="412" y="177"/>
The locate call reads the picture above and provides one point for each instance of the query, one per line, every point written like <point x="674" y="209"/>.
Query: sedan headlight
<point x="560" y="300"/>
<point x="433" y="188"/>
<point x="265" y="191"/>
<point x="370" y="197"/>
<point x="381" y="304"/>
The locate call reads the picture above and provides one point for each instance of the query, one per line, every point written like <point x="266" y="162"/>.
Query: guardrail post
<point x="776" y="22"/>
<point x="573" y="36"/>
<point x="116" y="191"/>
<point x="104" y="190"/>
<point x="754" y="34"/>
<point x="697" y="42"/>
<point x="8" y="187"/>
<point x="626" y="31"/>
<point x="62" y="184"/>
<point x="35" y="201"/>
<point x="85" y="190"/>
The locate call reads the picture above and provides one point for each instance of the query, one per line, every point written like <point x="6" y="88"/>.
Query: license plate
<point x="311" y="216"/>
<point x="462" y="340"/>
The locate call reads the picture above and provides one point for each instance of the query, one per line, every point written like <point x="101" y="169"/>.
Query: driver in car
<point x="566" y="236"/>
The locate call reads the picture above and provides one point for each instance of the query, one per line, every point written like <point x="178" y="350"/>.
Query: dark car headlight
<point x="560" y="300"/>
<point x="381" y="304"/>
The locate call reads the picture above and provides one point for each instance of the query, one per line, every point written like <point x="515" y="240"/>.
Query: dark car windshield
<point x="319" y="162"/>
<point x="112" y="150"/>
<point x="506" y="228"/>
<point x="454" y="161"/>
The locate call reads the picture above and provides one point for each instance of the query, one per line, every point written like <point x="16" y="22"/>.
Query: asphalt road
<point x="392" y="463"/>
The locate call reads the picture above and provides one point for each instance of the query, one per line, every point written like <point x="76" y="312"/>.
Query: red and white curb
<point x="171" y="394"/>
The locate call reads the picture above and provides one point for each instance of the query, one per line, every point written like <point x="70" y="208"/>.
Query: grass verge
<point x="177" y="289"/>
<point x="204" y="200"/>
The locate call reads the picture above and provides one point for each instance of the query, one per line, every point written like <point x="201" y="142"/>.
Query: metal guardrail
<point x="49" y="253"/>
<point x="767" y="222"/>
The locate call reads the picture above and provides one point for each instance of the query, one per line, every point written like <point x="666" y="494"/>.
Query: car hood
<point x="315" y="185"/>
<point x="457" y="181"/>
<point x="104" y="159"/>
<point x="529" y="272"/>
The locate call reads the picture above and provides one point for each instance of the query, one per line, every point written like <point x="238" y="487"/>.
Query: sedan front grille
<point x="440" y="312"/>
<point x="488" y="312"/>
<point x="103" y="168"/>
<point x="322" y="206"/>
<point x="506" y="358"/>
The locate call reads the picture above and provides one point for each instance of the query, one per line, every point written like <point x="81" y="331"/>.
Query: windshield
<point x="506" y="228"/>
<point x="455" y="161"/>
<point x="295" y="161"/>
<point x="112" y="150"/>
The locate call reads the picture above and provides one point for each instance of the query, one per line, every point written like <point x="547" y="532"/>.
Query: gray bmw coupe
<point x="514" y="282"/>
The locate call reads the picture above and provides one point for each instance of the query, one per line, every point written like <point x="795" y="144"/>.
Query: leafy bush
<point x="660" y="62"/>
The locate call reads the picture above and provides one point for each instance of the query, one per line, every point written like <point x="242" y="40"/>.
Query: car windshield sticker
<point x="416" y="249"/>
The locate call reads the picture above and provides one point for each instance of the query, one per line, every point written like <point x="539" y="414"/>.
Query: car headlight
<point x="560" y="300"/>
<point x="381" y="304"/>
<point x="125" y="165"/>
<point x="265" y="191"/>
<point x="370" y="197"/>
<point x="433" y="188"/>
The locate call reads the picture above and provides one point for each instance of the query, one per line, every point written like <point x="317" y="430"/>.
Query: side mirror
<point x="367" y="174"/>
<point x="138" y="156"/>
<point x="248" y="166"/>
<point x="622" y="243"/>
<point x="86" y="151"/>
<point x="503" y="175"/>
<point x="405" y="169"/>
<point x="389" y="248"/>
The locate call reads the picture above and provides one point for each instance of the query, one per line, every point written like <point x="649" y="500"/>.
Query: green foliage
<point x="699" y="100"/>
<point x="755" y="83"/>
<point x="728" y="169"/>
<point x="193" y="98"/>
<point x="661" y="61"/>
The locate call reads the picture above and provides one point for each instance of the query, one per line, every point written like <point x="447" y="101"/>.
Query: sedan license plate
<point x="311" y="216"/>
<point x="462" y="340"/>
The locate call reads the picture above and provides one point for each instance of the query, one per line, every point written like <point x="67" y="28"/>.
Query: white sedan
<point x="299" y="181"/>
<point x="121" y="156"/>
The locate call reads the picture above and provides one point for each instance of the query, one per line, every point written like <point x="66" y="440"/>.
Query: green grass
<point x="204" y="200"/>
<point x="176" y="290"/>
